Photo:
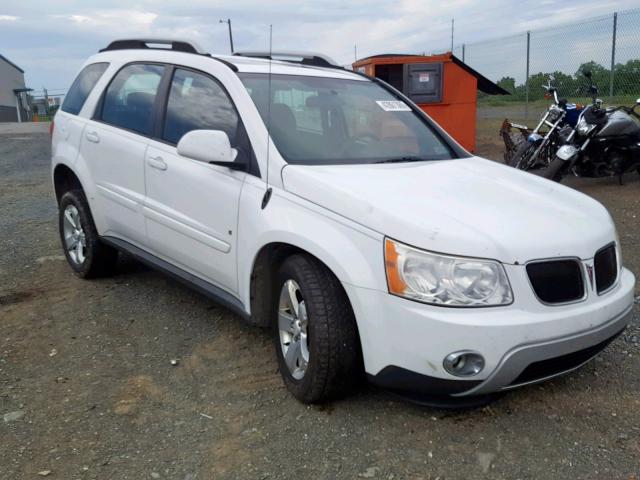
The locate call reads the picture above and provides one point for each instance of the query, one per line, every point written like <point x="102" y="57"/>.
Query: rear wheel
<point x="86" y="254"/>
<point x="316" y="337"/>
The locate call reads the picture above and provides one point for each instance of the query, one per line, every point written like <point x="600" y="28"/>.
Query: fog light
<point x="464" y="364"/>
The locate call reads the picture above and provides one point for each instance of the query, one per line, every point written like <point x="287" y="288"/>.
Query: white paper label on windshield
<point x="393" y="106"/>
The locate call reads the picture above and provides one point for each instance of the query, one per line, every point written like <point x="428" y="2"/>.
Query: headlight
<point x="566" y="152"/>
<point x="445" y="280"/>
<point x="555" y="112"/>
<point x="583" y="127"/>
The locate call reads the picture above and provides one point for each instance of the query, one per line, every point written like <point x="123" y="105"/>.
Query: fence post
<point x="526" y="82"/>
<point x="463" y="47"/>
<point x="613" y="53"/>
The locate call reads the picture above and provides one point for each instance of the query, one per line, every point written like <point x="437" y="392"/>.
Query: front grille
<point x="605" y="266"/>
<point x="556" y="281"/>
<point x="557" y="365"/>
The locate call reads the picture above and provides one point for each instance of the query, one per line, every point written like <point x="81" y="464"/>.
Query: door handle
<point x="157" y="163"/>
<point x="92" y="137"/>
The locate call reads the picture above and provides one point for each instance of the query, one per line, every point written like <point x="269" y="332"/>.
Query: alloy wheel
<point x="292" y="326"/>
<point x="74" y="237"/>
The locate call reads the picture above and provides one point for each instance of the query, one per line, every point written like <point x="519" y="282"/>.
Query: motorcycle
<point x="536" y="148"/>
<point x="605" y="142"/>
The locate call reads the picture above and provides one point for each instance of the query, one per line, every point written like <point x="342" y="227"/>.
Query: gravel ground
<point x="87" y="388"/>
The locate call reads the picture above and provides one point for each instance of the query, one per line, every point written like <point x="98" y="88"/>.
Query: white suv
<point x="325" y="205"/>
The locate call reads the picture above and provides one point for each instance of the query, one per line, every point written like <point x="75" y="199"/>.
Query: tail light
<point x="51" y="128"/>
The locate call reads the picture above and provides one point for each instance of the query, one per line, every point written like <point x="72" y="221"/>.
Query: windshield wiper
<point x="401" y="160"/>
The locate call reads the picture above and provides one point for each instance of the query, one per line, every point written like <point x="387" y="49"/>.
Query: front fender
<point x="535" y="138"/>
<point x="353" y="253"/>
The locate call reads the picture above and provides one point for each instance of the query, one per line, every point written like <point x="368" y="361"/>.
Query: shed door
<point x="423" y="82"/>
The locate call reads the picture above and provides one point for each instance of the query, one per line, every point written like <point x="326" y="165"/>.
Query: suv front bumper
<point x="540" y="361"/>
<point x="404" y="342"/>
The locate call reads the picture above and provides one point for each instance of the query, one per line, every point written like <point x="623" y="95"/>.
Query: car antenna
<point x="267" y="193"/>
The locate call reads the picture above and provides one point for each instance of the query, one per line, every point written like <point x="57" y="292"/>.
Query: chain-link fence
<point x="43" y="104"/>
<point x="608" y="46"/>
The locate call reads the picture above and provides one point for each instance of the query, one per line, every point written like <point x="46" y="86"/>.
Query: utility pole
<point x="228" y="22"/>
<point x="526" y="81"/>
<point x="452" y="21"/>
<point x="46" y="101"/>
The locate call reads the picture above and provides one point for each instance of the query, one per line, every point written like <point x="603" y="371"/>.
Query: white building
<point x="12" y="92"/>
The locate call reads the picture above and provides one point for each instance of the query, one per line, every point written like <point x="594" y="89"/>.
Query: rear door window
<point x="130" y="97"/>
<point x="198" y="102"/>
<point x="82" y="86"/>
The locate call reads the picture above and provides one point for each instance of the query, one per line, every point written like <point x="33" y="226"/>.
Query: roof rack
<point x="303" y="58"/>
<point x="154" y="43"/>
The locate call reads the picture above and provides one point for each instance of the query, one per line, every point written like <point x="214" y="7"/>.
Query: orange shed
<point x="442" y="85"/>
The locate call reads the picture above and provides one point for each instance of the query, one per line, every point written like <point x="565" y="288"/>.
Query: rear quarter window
<point x="82" y="86"/>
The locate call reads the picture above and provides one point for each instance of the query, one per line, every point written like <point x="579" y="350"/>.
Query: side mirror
<point x="209" y="146"/>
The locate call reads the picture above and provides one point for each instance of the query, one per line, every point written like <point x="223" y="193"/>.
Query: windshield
<point x="329" y="121"/>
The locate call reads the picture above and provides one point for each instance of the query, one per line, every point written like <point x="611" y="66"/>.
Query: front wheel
<point x="522" y="156"/>
<point x="315" y="332"/>
<point x="555" y="171"/>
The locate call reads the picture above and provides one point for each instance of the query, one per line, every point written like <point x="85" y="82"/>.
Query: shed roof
<point x="2" y="57"/>
<point x="484" y="84"/>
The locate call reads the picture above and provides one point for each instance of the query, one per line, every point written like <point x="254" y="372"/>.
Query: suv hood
<point x="471" y="207"/>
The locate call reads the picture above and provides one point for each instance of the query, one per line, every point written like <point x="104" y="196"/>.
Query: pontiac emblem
<point x="590" y="274"/>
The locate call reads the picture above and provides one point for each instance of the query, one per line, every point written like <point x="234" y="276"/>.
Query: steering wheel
<point x="365" y="137"/>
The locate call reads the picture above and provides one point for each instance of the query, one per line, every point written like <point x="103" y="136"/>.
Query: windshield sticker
<point x="393" y="106"/>
<point x="423" y="77"/>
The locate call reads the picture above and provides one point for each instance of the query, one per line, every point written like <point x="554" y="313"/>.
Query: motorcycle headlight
<point x="443" y="279"/>
<point x="566" y="152"/>
<point x="555" y="113"/>
<point x="583" y="127"/>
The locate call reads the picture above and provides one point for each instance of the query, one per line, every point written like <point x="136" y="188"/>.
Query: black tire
<point x="521" y="156"/>
<point x="99" y="259"/>
<point x="334" y="353"/>
<point x="555" y="170"/>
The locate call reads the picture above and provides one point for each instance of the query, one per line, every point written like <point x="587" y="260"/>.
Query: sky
<point x="51" y="39"/>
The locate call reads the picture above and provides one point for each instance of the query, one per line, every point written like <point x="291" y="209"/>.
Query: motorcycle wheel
<point x="555" y="170"/>
<point x="520" y="159"/>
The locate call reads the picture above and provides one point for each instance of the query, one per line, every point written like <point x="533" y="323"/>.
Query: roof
<point x="238" y="63"/>
<point x="301" y="63"/>
<point x="484" y="84"/>
<point x="2" y="57"/>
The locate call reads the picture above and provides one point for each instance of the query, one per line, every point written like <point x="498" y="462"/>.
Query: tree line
<point x="626" y="81"/>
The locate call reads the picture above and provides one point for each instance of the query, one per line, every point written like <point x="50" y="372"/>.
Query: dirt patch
<point x="11" y="298"/>
<point x="136" y="390"/>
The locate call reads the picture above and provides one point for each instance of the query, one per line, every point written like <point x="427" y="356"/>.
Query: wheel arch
<point x="65" y="179"/>
<point x="262" y="290"/>
<point x="264" y="271"/>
